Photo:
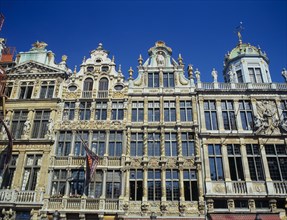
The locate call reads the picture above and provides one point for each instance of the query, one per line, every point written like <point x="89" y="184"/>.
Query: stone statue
<point x="284" y="74"/>
<point x="214" y="75"/>
<point x="283" y="124"/>
<point x="231" y="76"/>
<point x="27" y="127"/>
<point x="160" y="59"/>
<point x="50" y="129"/>
<point x="197" y="75"/>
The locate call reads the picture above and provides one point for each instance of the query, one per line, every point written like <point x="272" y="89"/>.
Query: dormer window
<point x="26" y="90"/>
<point x="105" y="68"/>
<point x="90" y="69"/>
<point x="168" y="80"/>
<point x="255" y="75"/>
<point x="103" y="88"/>
<point x="153" y="80"/>
<point x="47" y="90"/>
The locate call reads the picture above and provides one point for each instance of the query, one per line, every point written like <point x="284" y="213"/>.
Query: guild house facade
<point x="169" y="146"/>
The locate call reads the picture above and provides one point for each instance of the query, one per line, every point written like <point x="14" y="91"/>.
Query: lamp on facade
<point x="257" y="217"/>
<point x="153" y="216"/>
<point x="56" y="215"/>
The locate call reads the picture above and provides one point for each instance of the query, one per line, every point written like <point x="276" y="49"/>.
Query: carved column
<point x="77" y="111"/>
<point x="145" y="143"/>
<point x="44" y="169"/>
<point x="127" y="185"/>
<point x="237" y="115"/>
<point x="103" y="196"/>
<point x="195" y="111"/>
<point x="18" y="175"/>
<point x="181" y="185"/>
<point x="93" y="104"/>
<point x="265" y="163"/>
<point x="225" y="163"/>
<point x="74" y="138"/>
<point x="245" y="162"/>
<point x="161" y="109"/>
<point x="179" y="142"/>
<point x="206" y="161"/>
<point x="163" y="183"/>
<point x="69" y="175"/>
<point x="177" y="106"/>
<point x="128" y="143"/>
<point x="145" y="110"/>
<point x="219" y="115"/>
<point x="200" y="108"/>
<point x="199" y="182"/>
<point x="145" y="189"/>
<point x="162" y="144"/>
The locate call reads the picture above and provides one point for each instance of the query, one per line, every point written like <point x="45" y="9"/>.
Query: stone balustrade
<point x="20" y="197"/>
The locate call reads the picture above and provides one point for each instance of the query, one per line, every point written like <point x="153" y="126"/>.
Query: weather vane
<point x="238" y="30"/>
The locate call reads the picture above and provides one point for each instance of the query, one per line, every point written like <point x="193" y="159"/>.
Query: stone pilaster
<point x="225" y="163"/>
<point x="219" y="115"/>
<point x="18" y="175"/>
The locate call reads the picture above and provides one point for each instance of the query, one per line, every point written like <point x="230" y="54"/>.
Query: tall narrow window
<point x="254" y="162"/>
<point x="103" y="88"/>
<point x="136" y="144"/>
<point x="228" y="115"/>
<point x="153" y="144"/>
<point x="85" y="111"/>
<point x="190" y="185"/>
<point x="77" y="182"/>
<point x="137" y="111"/>
<point x="170" y="144"/>
<point x="59" y="182"/>
<point x="168" y="80"/>
<point x="69" y="111"/>
<point x="215" y="162"/>
<point x="185" y="111"/>
<point x="255" y="75"/>
<point x="169" y="111"/>
<point x="101" y="111"/>
<point x="284" y="108"/>
<point x="47" y="89"/>
<point x="258" y="75"/>
<point x="239" y="76"/>
<point x="88" y="88"/>
<point x="210" y="115"/>
<point x="153" y="80"/>
<point x="172" y="185"/>
<point x="64" y="143"/>
<point x="8" y="89"/>
<point x="18" y="121"/>
<point x="235" y="162"/>
<point x="115" y="143"/>
<point x="9" y="174"/>
<point x="31" y="172"/>
<point x="113" y="190"/>
<point x="187" y="142"/>
<point x="154" y="185"/>
<point x="153" y="111"/>
<point x="96" y="185"/>
<point x="99" y="142"/>
<point x="117" y="110"/>
<point x="41" y="121"/>
<point x="26" y="89"/>
<point x="246" y="115"/>
<point x="277" y="161"/>
<point x="136" y="185"/>
<point x="79" y="149"/>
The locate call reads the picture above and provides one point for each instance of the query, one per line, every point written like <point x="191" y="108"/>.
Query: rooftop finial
<point x="180" y="60"/>
<point x="113" y="59"/>
<point x="120" y="68"/>
<point x="100" y="47"/>
<point x="238" y="30"/>
<point x="140" y="60"/>
<point x="84" y="59"/>
<point x="131" y="72"/>
<point x="75" y="69"/>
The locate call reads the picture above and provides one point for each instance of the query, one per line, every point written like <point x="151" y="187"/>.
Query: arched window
<point x="88" y="84"/>
<point x="103" y="88"/>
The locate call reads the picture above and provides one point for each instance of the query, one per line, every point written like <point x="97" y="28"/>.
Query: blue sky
<point x="202" y="31"/>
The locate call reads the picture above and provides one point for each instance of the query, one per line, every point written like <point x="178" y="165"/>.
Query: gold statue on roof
<point x="238" y="30"/>
<point x="39" y="45"/>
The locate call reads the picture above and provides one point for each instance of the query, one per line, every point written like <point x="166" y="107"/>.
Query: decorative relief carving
<point x="188" y="162"/>
<point x="153" y="162"/>
<point x="182" y="80"/>
<point x="219" y="188"/>
<point x="266" y="120"/>
<point x="136" y="162"/>
<point x="171" y="163"/>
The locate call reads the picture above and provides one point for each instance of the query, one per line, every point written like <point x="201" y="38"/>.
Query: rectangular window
<point x="47" y="89"/>
<point x="64" y="143"/>
<point x="277" y="161"/>
<point x="210" y="115"/>
<point x="136" y="144"/>
<point x="153" y="80"/>
<point x="113" y="190"/>
<point x="170" y="144"/>
<point x="168" y="80"/>
<point x="69" y="111"/>
<point x="8" y="89"/>
<point x="59" y="182"/>
<point x="172" y="185"/>
<point x="117" y="111"/>
<point x="85" y="111"/>
<point x="239" y="76"/>
<point x="153" y="111"/>
<point x="255" y="75"/>
<point x="153" y="144"/>
<point x="169" y="111"/>
<point x="235" y="162"/>
<point x="258" y="75"/>
<point x="136" y="185"/>
<point x="284" y="108"/>
<point x="9" y="174"/>
<point x="41" y="121"/>
<point x="215" y="162"/>
<point x="246" y="115"/>
<point x="187" y="142"/>
<point x="26" y="89"/>
<point x="99" y="142"/>
<point x="190" y="185"/>
<point x="96" y="185"/>
<point x="77" y="182"/>
<point x="185" y="110"/>
<point x="154" y="185"/>
<point x="19" y="118"/>
<point x="31" y="172"/>
<point x="228" y="115"/>
<point x="254" y="162"/>
<point x="115" y="143"/>
<point x="137" y="111"/>
<point x="79" y="149"/>
<point x="101" y="111"/>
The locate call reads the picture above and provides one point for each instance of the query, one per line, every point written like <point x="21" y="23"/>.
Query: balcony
<point x="20" y="197"/>
<point x="280" y="188"/>
<point x="87" y="94"/>
<point x="102" y="94"/>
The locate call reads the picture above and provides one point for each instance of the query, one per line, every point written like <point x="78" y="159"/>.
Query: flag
<point x="2" y="18"/>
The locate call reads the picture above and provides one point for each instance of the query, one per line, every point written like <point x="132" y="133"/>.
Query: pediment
<point x="33" y="67"/>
